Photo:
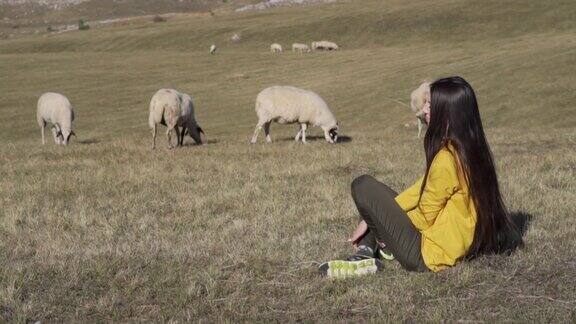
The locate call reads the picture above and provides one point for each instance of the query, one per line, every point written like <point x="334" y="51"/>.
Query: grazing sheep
<point x="55" y="109"/>
<point x="325" y="45"/>
<point x="213" y="49"/>
<point x="287" y="105"/>
<point x="276" y="48"/>
<point x="418" y="99"/>
<point x="174" y="110"/>
<point x="301" y="48"/>
<point x="235" y="38"/>
<point x="188" y="120"/>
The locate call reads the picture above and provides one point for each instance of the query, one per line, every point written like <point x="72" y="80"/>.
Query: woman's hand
<point x="358" y="233"/>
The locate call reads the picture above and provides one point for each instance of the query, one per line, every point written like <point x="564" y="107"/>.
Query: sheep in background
<point x="418" y="99"/>
<point x="55" y="109"/>
<point x="276" y="48"/>
<point x="174" y="110"/>
<point x="301" y="48"/>
<point x="235" y="38"/>
<point x="287" y="105"/>
<point x="325" y="45"/>
<point x="213" y="49"/>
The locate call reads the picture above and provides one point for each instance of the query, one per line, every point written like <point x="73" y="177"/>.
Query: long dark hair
<point x="455" y="119"/>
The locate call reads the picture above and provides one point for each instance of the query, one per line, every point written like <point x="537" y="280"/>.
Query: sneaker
<point x="362" y="252"/>
<point x="344" y="268"/>
<point x="385" y="254"/>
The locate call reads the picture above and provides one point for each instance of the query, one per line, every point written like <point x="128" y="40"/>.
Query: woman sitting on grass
<point x="454" y="212"/>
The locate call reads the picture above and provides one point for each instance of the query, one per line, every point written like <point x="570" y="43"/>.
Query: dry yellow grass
<point x="106" y="229"/>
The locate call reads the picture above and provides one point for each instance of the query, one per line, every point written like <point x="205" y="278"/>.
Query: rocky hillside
<point x="51" y="4"/>
<point x="25" y="17"/>
<point x="266" y="4"/>
<point x="44" y="12"/>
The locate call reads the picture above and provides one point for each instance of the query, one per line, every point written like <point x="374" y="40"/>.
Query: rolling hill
<point x="108" y="230"/>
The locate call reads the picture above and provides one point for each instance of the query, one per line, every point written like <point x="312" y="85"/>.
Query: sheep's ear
<point x="72" y="133"/>
<point x="200" y="130"/>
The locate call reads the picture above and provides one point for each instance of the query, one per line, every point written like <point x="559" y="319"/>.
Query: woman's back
<point x="445" y="214"/>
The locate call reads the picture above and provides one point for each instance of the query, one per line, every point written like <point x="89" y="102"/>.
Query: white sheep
<point x="301" y="48"/>
<point x="235" y="38"/>
<point x="188" y="120"/>
<point x="174" y="110"/>
<point x="55" y="109"/>
<point x="276" y="48"/>
<point x="213" y="49"/>
<point x="287" y="105"/>
<point x="325" y="45"/>
<point x="418" y="99"/>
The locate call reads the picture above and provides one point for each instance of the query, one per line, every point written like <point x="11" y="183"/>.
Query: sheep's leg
<point x="177" y="130"/>
<point x="304" y="127"/>
<point x="42" y="127"/>
<point x="297" y="138"/>
<point x="59" y="134"/>
<point x="154" y="137"/>
<point x="169" y="137"/>
<point x="256" y="131"/>
<point x="55" y="135"/>
<point x="419" y="127"/>
<point x="267" y="132"/>
<point x="181" y="139"/>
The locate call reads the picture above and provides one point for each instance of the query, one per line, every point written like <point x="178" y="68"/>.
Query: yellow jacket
<point x="445" y="215"/>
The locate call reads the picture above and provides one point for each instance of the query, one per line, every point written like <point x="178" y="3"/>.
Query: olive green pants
<point x="387" y="222"/>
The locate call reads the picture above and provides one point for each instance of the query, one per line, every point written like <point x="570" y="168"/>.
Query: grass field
<point x="108" y="230"/>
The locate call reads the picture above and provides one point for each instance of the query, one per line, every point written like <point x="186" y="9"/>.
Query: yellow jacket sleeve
<point x="441" y="185"/>
<point x="408" y="199"/>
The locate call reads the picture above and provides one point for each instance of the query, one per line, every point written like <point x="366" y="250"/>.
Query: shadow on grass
<point x="510" y="241"/>
<point x="88" y="141"/>
<point x="208" y="142"/>
<point x="507" y="242"/>
<point x="341" y="139"/>
<point x="522" y="221"/>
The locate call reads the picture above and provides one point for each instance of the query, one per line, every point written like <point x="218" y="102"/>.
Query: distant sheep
<point x="213" y="49"/>
<point x="55" y="109"/>
<point x="288" y="105"/>
<point x="418" y="99"/>
<point x="174" y="110"/>
<point x="276" y="48"/>
<point x="235" y="38"/>
<point x="325" y="46"/>
<point x="300" y="48"/>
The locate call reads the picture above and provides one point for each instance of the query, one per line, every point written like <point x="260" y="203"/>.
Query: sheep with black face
<point x="174" y="109"/>
<point x="288" y="105"/>
<point x="55" y="109"/>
